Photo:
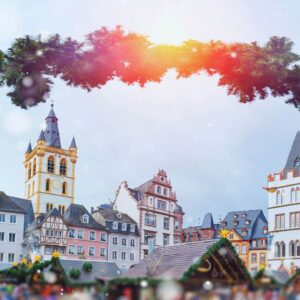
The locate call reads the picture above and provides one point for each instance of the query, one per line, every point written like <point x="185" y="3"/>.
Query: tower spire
<point x="51" y="133"/>
<point x="29" y="148"/>
<point x="294" y="155"/>
<point x="73" y="144"/>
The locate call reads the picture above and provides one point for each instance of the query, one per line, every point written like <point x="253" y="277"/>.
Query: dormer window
<point x="132" y="228"/>
<point x="244" y="232"/>
<point x="115" y="225"/>
<point x="235" y="223"/>
<point x="85" y="219"/>
<point x="119" y="216"/>
<point x="124" y="227"/>
<point x="265" y="230"/>
<point x="244" y="215"/>
<point x="224" y="223"/>
<point x="235" y="216"/>
<point x="247" y="222"/>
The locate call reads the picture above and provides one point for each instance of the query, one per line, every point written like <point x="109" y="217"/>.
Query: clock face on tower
<point x="56" y="184"/>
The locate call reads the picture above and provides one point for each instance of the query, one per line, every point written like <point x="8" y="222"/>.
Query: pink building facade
<point x="86" y="239"/>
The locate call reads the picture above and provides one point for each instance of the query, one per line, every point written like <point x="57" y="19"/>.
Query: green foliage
<point x="75" y="273"/>
<point x="87" y="267"/>
<point x="247" y="70"/>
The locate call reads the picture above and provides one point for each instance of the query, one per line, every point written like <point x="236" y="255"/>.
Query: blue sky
<point x="216" y="151"/>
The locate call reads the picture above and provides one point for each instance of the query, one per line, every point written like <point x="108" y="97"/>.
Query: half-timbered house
<point x="47" y="234"/>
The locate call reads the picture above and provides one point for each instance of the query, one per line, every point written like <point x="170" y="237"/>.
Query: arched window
<point x="297" y="248"/>
<point x="293" y="195"/>
<point x="34" y="167"/>
<point x="282" y="199"/>
<point x="51" y="164"/>
<point x="278" y="198"/>
<point x="277" y="250"/>
<point x="28" y="191"/>
<point x="61" y="209"/>
<point x="48" y="184"/>
<point x="237" y="249"/>
<point x="63" y="167"/>
<point x="32" y="188"/>
<point x="282" y="246"/>
<point x="29" y="171"/>
<point x="49" y="206"/>
<point x="292" y="248"/>
<point x="64" y="188"/>
<point x="243" y="249"/>
<point x="297" y="194"/>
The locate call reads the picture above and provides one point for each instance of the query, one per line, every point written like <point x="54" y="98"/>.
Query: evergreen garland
<point x="193" y="269"/>
<point x="247" y="70"/>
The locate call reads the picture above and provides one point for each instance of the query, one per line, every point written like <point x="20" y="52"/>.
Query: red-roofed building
<point x="153" y="205"/>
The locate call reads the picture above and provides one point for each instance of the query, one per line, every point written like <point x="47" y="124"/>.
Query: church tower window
<point x="48" y="185"/>
<point x="51" y="164"/>
<point x="64" y="188"/>
<point x="61" y="209"/>
<point x="63" y="167"/>
<point x="29" y="171"/>
<point x="34" y="167"/>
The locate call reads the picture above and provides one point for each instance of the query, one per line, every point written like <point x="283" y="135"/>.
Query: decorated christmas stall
<point x="58" y="277"/>
<point x="266" y="279"/>
<point x="197" y="268"/>
<point x="292" y="286"/>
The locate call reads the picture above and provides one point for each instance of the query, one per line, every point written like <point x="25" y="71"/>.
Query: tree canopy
<point x="248" y="70"/>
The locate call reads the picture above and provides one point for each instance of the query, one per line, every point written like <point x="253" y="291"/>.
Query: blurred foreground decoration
<point x="247" y="70"/>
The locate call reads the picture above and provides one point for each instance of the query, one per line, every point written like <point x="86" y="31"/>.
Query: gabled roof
<point x="294" y="153"/>
<point x="7" y="204"/>
<point x="182" y="261"/>
<point x="101" y="270"/>
<point x="26" y="205"/>
<point x="73" y="216"/>
<point x="110" y="216"/>
<point x="170" y="261"/>
<point x="254" y="229"/>
<point x="41" y="218"/>
<point x="275" y="278"/>
<point x="113" y="215"/>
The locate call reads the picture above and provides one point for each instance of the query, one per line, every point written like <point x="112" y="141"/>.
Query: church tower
<point x="50" y="170"/>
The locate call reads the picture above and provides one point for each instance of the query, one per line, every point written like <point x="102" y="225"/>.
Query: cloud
<point x="17" y="122"/>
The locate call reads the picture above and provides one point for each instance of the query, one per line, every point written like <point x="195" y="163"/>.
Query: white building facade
<point x="284" y="213"/>
<point x="11" y="231"/>
<point x="153" y="205"/>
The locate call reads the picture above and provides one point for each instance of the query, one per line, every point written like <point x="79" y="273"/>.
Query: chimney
<point x="92" y="209"/>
